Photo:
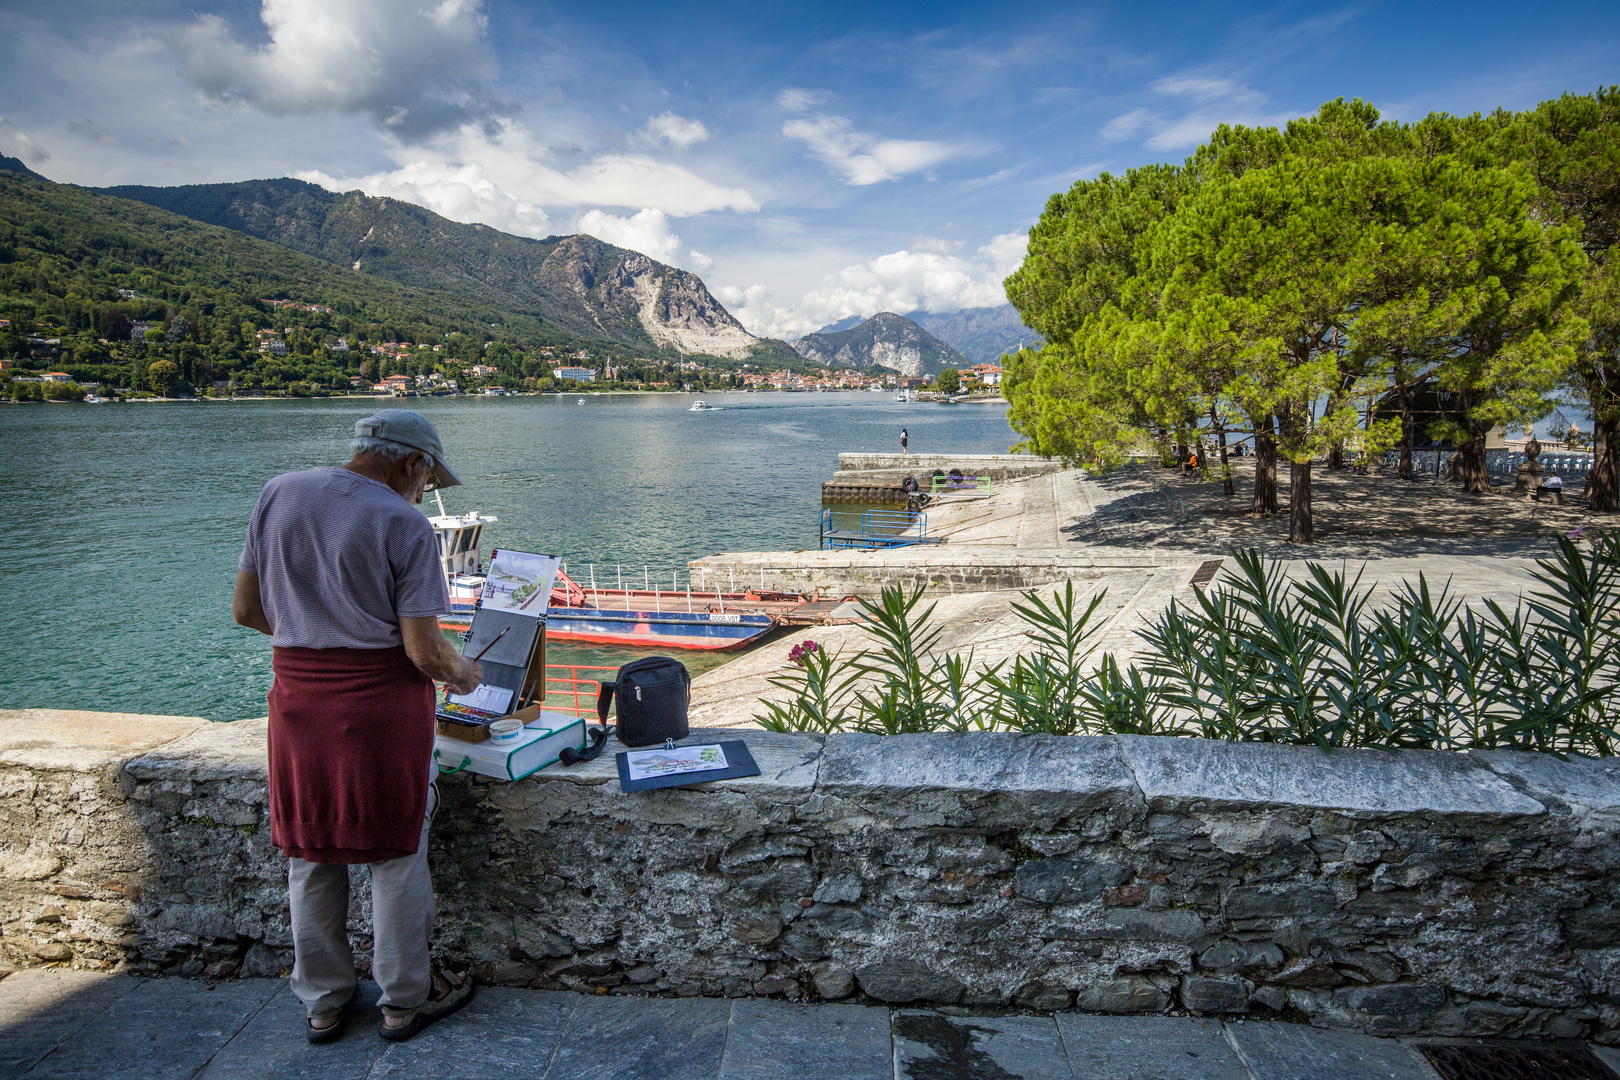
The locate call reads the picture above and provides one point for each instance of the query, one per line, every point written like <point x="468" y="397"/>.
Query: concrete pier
<point x="1140" y="533"/>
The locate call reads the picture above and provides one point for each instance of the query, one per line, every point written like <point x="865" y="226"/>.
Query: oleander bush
<point x="1313" y="662"/>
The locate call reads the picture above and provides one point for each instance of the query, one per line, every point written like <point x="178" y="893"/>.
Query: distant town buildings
<point x="297" y="305"/>
<point x="574" y="374"/>
<point x="989" y="374"/>
<point x="482" y="371"/>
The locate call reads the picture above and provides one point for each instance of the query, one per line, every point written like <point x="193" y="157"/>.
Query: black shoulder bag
<point x="649" y="698"/>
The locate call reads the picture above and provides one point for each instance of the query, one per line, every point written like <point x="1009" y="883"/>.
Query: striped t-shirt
<point x="340" y="560"/>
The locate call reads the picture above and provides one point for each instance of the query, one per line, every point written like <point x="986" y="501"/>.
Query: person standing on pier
<point x="902" y="441"/>
<point x="343" y="572"/>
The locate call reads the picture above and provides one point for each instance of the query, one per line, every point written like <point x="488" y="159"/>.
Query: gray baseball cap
<point x="413" y="430"/>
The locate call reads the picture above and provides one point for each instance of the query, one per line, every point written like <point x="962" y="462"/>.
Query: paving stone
<point x="1148" y="1048"/>
<point x="41" y="1009"/>
<point x="931" y="1046"/>
<point x="164" y="1028"/>
<point x="631" y="1038"/>
<point x="1298" y="1052"/>
<point x="777" y="1040"/>
<point x="1609" y="1055"/>
<point x="503" y="1033"/>
<point x="273" y="1044"/>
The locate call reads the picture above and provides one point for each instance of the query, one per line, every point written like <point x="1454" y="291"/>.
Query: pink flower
<point x="798" y="653"/>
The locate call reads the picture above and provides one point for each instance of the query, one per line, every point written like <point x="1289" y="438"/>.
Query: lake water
<point x="122" y="523"/>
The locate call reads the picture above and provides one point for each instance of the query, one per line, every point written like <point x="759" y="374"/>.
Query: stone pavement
<point x="70" y="1024"/>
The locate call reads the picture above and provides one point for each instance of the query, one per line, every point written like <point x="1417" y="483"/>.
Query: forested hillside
<point x="78" y="268"/>
<point x="578" y="283"/>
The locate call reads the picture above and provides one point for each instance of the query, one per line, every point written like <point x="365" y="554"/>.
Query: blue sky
<point x="808" y="161"/>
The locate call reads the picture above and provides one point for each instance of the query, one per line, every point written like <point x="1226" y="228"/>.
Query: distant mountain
<point x="841" y="324"/>
<point x="982" y="333"/>
<point x="577" y="283"/>
<point x="11" y="164"/>
<point x="887" y="340"/>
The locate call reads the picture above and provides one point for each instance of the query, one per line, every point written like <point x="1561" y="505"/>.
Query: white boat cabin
<point x="460" y="540"/>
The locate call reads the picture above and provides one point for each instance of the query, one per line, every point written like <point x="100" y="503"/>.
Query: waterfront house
<point x="989" y="374"/>
<point x="55" y="376"/>
<point x="574" y="374"/>
<point x="482" y="371"/>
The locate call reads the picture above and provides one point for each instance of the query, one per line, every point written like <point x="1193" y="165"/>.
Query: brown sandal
<point x="452" y="992"/>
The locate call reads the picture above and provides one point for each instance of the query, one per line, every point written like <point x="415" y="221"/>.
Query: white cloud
<point x="751" y="306"/>
<point x="677" y="131"/>
<point x="864" y="159"/>
<point x="929" y="276"/>
<point x="1127" y="125"/>
<point x="89" y="129"/>
<point x="795" y="100"/>
<point x="15" y="142"/>
<point x="1206" y="89"/>
<point x="699" y="261"/>
<point x="646" y="231"/>
<point x="1218" y="101"/>
<point x="460" y="193"/>
<point x="415" y="69"/>
<point x="501" y="178"/>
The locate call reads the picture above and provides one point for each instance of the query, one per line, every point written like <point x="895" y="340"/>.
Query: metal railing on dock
<point x="956" y="483"/>
<point x="878" y="529"/>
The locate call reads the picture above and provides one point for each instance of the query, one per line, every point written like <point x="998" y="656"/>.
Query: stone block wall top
<point x="234" y="751"/>
<point x="1584" y="785"/>
<point x="1173" y="772"/>
<point x="787" y="763"/>
<point x="84" y="741"/>
<point x="856" y="764"/>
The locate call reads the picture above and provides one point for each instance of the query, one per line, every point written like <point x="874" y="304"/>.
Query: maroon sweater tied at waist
<point x="351" y="745"/>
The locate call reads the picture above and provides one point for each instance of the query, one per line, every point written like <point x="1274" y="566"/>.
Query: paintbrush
<point x="490" y="646"/>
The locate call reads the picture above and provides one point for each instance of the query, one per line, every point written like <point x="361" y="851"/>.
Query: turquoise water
<point x="122" y="523"/>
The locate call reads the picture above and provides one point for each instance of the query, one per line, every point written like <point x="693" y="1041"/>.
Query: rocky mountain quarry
<point x="885" y="340"/>
<point x="578" y="283"/>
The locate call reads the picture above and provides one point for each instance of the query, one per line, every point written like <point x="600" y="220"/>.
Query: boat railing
<point x="615" y="587"/>
<point x="570" y="691"/>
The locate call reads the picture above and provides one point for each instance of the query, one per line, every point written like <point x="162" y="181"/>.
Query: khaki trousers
<point x="402" y="913"/>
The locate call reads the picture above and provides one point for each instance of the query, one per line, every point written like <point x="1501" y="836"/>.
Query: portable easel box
<point x="511" y="646"/>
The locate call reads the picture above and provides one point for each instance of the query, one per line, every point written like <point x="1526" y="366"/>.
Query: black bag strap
<point x="604" y="698"/>
<point x="596" y="738"/>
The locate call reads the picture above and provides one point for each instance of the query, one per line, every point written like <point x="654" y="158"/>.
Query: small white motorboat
<point x="581" y="401"/>
<point x="702" y="406"/>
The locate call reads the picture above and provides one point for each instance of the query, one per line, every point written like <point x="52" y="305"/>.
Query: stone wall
<point x="1393" y="892"/>
<point x="943" y="568"/>
<point x="898" y="466"/>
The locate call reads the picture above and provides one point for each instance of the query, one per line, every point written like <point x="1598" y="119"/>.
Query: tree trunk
<point x="1408" y="432"/>
<point x="1301" y="529"/>
<point x="1265" y="467"/>
<point x="1220" y="434"/>
<point x="1603" y="484"/>
<point x="1335" y="454"/>
<point x="1476" y="477"/>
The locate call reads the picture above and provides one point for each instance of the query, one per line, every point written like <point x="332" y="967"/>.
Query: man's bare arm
<point x="246" y="608"/>
<point x="436" y="658"/>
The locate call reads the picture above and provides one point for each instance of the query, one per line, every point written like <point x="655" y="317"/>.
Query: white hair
<point x="383" y="448"/>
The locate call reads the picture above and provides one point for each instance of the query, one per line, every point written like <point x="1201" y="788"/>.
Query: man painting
<point x="343" y="572"/>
